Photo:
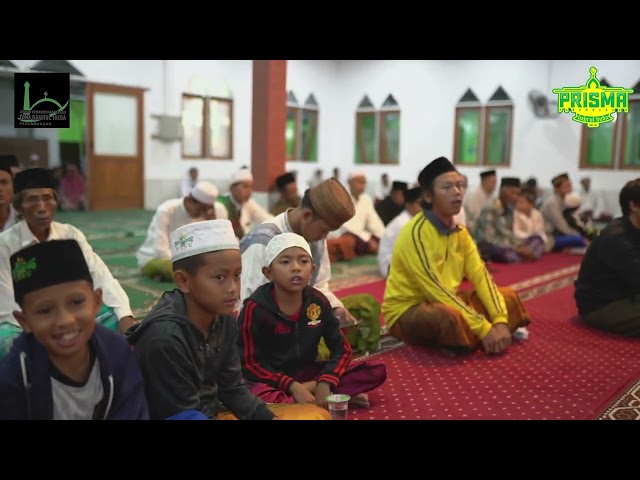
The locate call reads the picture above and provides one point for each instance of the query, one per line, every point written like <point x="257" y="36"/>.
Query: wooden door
<point x="115" y="147"/>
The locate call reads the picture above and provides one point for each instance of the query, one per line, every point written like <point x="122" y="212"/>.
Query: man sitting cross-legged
<point x="422" y="304"/>
<point x="36" y="200"/>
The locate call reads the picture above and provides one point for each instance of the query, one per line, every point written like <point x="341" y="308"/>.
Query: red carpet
<point x="564" y="371"/>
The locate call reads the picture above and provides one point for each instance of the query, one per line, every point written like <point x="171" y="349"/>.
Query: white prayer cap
<point x="202" y="237"/>
<point x="281" y="242"/>
<point x="205" y="192"/>
<point x="242" y="175"/>
<point x="357" y="174"/>
<point x="572" y="200"/>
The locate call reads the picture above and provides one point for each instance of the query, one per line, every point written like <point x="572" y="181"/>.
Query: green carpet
<point x="115" y="236"/>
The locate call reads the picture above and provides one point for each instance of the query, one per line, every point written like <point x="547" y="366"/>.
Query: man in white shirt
<point x="189" y="182"/>
<point x="593" y="205"/>
<point x="7" y="213"/>
<point x="154" y="255"/>
<point x="360" y="235"/>
<point x="243" y="211"/>
<point x="481" y="197"/>
<point x="384" y="188"/>
<point x="36" y="200"/>
<point x="413" y="206"/>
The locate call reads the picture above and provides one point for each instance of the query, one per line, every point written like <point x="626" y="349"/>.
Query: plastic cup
<point x="339" y="406"/>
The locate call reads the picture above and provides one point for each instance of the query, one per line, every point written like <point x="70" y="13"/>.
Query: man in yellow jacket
<point x="422" y="305"/>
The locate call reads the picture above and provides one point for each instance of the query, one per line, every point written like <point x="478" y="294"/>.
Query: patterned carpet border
<point x="626" y="407"/>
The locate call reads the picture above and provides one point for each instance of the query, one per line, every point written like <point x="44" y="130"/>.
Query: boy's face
<point x="215" y="288"/>
<point x="290" y="270"/>
<point x="61" y="317"/>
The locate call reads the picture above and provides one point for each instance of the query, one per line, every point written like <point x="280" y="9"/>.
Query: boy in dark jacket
<point x="282" y="323"/>
<point x="186" y="345"/>
<point x="64" y="366"/>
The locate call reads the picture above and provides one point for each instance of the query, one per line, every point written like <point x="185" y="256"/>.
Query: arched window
<point x="483" y="133"/>
<point x="614" y="145"/>
<point x="301" y="132"/>
<point x="378" y="132"/>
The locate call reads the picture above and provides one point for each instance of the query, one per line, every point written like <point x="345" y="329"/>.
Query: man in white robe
<point x="7" y="212"/>
<point x="360" y="235"/>
<point x="413" y="206"/>
<point x="154" y="255"/>
<point x="189" y="182"/>
<point x="243" y="211"/>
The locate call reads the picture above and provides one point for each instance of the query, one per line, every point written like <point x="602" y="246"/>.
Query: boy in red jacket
<point x="281" y="325"/>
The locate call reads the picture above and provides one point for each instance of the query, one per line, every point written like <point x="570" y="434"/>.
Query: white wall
<point x="428" y="91"/>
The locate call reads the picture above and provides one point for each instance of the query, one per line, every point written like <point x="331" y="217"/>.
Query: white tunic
<point x="366" y="221"/>
<point x="253" y="261"/>
<point x="187" y="186"/>
<point x="169" y="216"/>
<point x="19" y="236"/>
<point x="388" y="240"/>
<point x="11" y="219"/>
<point x="592" y="201"/>
<point x="251" y="214"/>
<point x="527" y="226"/>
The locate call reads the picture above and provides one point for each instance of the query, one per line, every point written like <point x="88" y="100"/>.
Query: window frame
<point x="206" y="150"/>
<point x="470" y="106"/>
<point x="633" y="99"/>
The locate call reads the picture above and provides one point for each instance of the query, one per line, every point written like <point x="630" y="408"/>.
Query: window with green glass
<point x="291" y="133"/>
<point x="390" y="137"/>
<point x="301" y="130"/>
<point x="497" y="139"/>
<point x="631" y="135"/>
<point x="378" y="132"/>
<point x="366" y="145"/>
<point x="614" y="145"/>
<point x="598" y="146"/>
<point x="467" y="136"/>
<point x="309" y="135"/>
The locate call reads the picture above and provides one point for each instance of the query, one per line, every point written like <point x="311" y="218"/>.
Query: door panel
<point x="115" y="131"/>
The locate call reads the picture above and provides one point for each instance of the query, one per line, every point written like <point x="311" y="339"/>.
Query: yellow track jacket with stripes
<point x="429" y="262"/>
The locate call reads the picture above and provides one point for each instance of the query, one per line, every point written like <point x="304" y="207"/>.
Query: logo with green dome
<point x="592" y="104"/>
<point x="41" y="100"/>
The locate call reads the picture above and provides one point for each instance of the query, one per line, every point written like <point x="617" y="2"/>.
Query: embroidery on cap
<point x="184" y="242"/>
<point x="23" y="269"/>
